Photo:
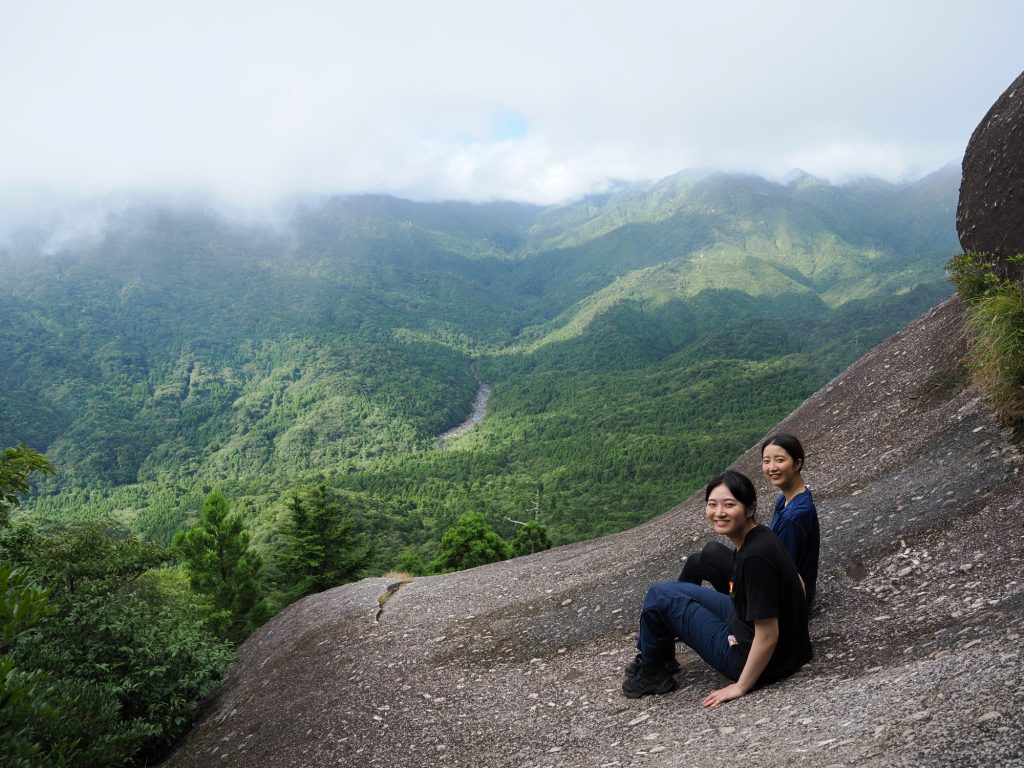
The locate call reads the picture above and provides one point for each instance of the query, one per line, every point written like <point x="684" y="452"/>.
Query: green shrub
<point x="17" y="465"/>
<point x="469" y="543"/>
<point x="410" y="562"/>
<point x="27" y="721"/>
<point x="118" y="670"/>
<point x="973" y="275"/>
<point x="531" y="537"/>
<point x="995" y="322"/>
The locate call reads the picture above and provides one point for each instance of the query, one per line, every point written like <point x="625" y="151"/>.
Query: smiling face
<point x="779" y="467"/>
<point x="727" y="514"/>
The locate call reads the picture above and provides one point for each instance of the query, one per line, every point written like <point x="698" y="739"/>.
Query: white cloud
<point x="531" y="100"/>
<point x="843" y="161"/>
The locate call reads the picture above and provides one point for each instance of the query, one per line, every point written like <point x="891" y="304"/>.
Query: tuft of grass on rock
<point x="995" y="322"/>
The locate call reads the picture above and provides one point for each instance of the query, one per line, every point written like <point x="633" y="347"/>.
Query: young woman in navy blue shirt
<point x="795" y="520"/>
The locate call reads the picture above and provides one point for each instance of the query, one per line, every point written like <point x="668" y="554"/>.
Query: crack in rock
<point x="388" y="594"/>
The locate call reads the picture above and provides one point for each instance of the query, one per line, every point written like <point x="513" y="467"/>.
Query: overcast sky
<point x="476" y="100"/>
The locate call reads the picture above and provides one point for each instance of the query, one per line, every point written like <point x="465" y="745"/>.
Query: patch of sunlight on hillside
<point x="724" y="268"/>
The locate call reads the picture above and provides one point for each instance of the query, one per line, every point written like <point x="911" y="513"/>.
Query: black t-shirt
<point x="766" y="586"/>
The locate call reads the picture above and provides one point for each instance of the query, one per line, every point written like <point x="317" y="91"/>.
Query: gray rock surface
<point x="918" y="628"/>
<point x="990" y="214"/>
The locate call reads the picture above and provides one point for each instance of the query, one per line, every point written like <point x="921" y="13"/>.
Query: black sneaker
<point x="648" y="680"/>
<point x="670" y="664"/>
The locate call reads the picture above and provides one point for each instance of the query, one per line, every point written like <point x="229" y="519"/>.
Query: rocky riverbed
<point x="476" y="413"/>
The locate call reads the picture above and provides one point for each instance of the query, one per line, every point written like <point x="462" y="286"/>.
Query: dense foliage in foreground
<point x="105" y="653"/>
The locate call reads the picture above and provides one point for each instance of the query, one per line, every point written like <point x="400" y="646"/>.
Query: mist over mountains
<point x="634" y="342"/>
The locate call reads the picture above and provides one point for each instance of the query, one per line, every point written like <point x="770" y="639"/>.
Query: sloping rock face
<point x="918" y="630"/>
<point x="990" y="214"/>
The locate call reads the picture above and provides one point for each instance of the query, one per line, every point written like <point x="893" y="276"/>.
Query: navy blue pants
<point x="696" y="615"/>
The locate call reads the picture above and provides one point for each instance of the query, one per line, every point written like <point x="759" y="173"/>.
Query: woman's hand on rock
<point x="723" y="695"/>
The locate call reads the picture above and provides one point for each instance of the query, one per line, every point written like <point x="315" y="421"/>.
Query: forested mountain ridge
<point x="634" y="342"/>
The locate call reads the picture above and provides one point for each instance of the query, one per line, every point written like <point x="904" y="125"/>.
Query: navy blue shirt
<point x="796" y="525"/>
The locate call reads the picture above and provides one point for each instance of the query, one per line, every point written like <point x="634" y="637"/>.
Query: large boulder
<point x="990" y="214"/>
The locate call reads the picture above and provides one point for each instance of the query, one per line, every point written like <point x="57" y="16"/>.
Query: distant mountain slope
<point x="181" y="352"/>
<point x="720" y="232"/>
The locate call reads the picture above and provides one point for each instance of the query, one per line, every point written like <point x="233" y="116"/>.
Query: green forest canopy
<point x="634" y="343"/>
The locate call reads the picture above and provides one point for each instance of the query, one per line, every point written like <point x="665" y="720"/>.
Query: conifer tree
<point x="223" y="567"/>
<point x="321" y="546"/>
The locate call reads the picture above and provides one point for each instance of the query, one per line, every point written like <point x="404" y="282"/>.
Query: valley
<point x="633" y="343"/>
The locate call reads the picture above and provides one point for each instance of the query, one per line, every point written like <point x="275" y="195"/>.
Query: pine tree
<point x="223" y="567"/>
<point x="468" y="543"/>
<point x="321" y="546"/>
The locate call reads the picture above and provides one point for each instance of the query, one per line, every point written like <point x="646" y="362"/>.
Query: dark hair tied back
<point x="789" y="444"/>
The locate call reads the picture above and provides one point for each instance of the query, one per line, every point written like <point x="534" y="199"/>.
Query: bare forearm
<point x="766" y="637"/>
<point x="761" y="650"/>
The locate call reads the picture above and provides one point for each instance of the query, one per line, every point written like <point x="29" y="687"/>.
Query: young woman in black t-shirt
<point x="754" y="635"/>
